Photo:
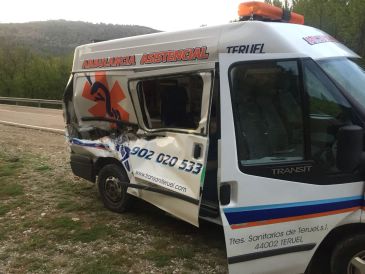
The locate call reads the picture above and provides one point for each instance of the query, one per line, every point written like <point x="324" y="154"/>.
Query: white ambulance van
<point x="257" y="125"/>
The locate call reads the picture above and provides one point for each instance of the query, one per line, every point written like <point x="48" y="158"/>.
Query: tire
<point x="344" y="253"/>
<point x="113" y="194"/>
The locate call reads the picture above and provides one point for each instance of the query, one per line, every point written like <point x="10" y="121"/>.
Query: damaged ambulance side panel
<point x="163" y="163"/>
<point x="161" y="154"/>
<point x="102" y="94"/>
<point x="90" y="98"/>
<point x="172" y="107"/>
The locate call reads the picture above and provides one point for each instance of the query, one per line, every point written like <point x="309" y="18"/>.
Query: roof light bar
<point x="262" y="11"/>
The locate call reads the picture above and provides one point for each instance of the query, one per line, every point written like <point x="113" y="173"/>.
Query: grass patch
<point x="12" y="203"/>
<point x="96" y="232"/>
<point x="4" y="256"/>
<point x="43" y="168"/>
<point x="76" y="189"/>
<point x="160" y="243"/>
<point x="31" y="264"/>
<point x="190" y="265"/>
<point x="66" y="228"/>
<point x="10" y="166"/>
<point x="69" y="206"/>
<point x="4" y="209"/>
<point x="96" y="267"/>
<point x="184" y="252"/>
<point x="3" y="233"/>
<point x="61" y="228"/>
<point x="10" y="189"/>
<point x="35" y="242"/>
<point x="109" y="262"/>
<point x="60" y="223"/>
<point x="159" y="257"/>
<point x="162" y="255"/>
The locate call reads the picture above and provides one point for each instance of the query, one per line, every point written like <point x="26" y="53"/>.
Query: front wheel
<point x="112" y="190"/>
<point x="348" y="257"/>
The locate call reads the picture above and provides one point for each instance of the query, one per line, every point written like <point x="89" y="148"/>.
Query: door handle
<point x="225" y="194"/>
<point x="197" y="152"/>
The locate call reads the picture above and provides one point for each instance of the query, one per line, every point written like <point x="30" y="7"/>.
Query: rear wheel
<point x="348" y="257"/>
<point x="112" y="188"/>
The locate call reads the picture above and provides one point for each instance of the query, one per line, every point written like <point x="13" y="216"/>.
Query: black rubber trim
<point x="82" y="166"/>
<point x="163" y="191"/>
<point x="110" y="120"/>
<point x="270" y="253"/>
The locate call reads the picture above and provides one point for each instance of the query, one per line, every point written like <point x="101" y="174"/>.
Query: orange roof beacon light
<point x="262" y="11"/>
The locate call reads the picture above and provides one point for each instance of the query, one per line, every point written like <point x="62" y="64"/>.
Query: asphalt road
<point x="42" y="118"/>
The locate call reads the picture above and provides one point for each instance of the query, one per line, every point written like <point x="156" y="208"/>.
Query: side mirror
<point x="349" y="147"/>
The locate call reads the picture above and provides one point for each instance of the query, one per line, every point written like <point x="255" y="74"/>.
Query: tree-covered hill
<point x="36" y="57"/>
<point x="59" y="37"/>
<point x="343" y="19"/>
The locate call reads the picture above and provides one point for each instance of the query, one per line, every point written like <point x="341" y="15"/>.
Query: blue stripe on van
<point x="270" y="212"/>
<point x="315" y="202"/>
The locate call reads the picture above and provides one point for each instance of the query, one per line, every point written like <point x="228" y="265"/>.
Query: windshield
<point x="349" y="73"/>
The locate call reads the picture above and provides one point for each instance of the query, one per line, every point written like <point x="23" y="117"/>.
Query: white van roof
<point x="204" y="44"/>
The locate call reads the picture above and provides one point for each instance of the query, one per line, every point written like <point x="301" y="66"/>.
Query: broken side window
<point x="171" y="102"/>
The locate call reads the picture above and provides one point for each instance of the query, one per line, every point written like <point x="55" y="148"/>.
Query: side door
<point x="280" y="190"/>
<point x="169" y="154"/>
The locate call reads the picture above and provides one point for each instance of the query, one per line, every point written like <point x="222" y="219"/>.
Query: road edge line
<point x="54" y="130"/>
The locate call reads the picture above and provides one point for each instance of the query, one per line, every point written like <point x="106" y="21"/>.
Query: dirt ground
<point x="54" y="222"/>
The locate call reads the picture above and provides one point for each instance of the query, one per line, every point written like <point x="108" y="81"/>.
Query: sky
<point x="166" y="15"/>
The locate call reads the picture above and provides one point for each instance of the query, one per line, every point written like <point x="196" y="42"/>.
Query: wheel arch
<point x="321" y="259"/>
<point x="103" y="161"/>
